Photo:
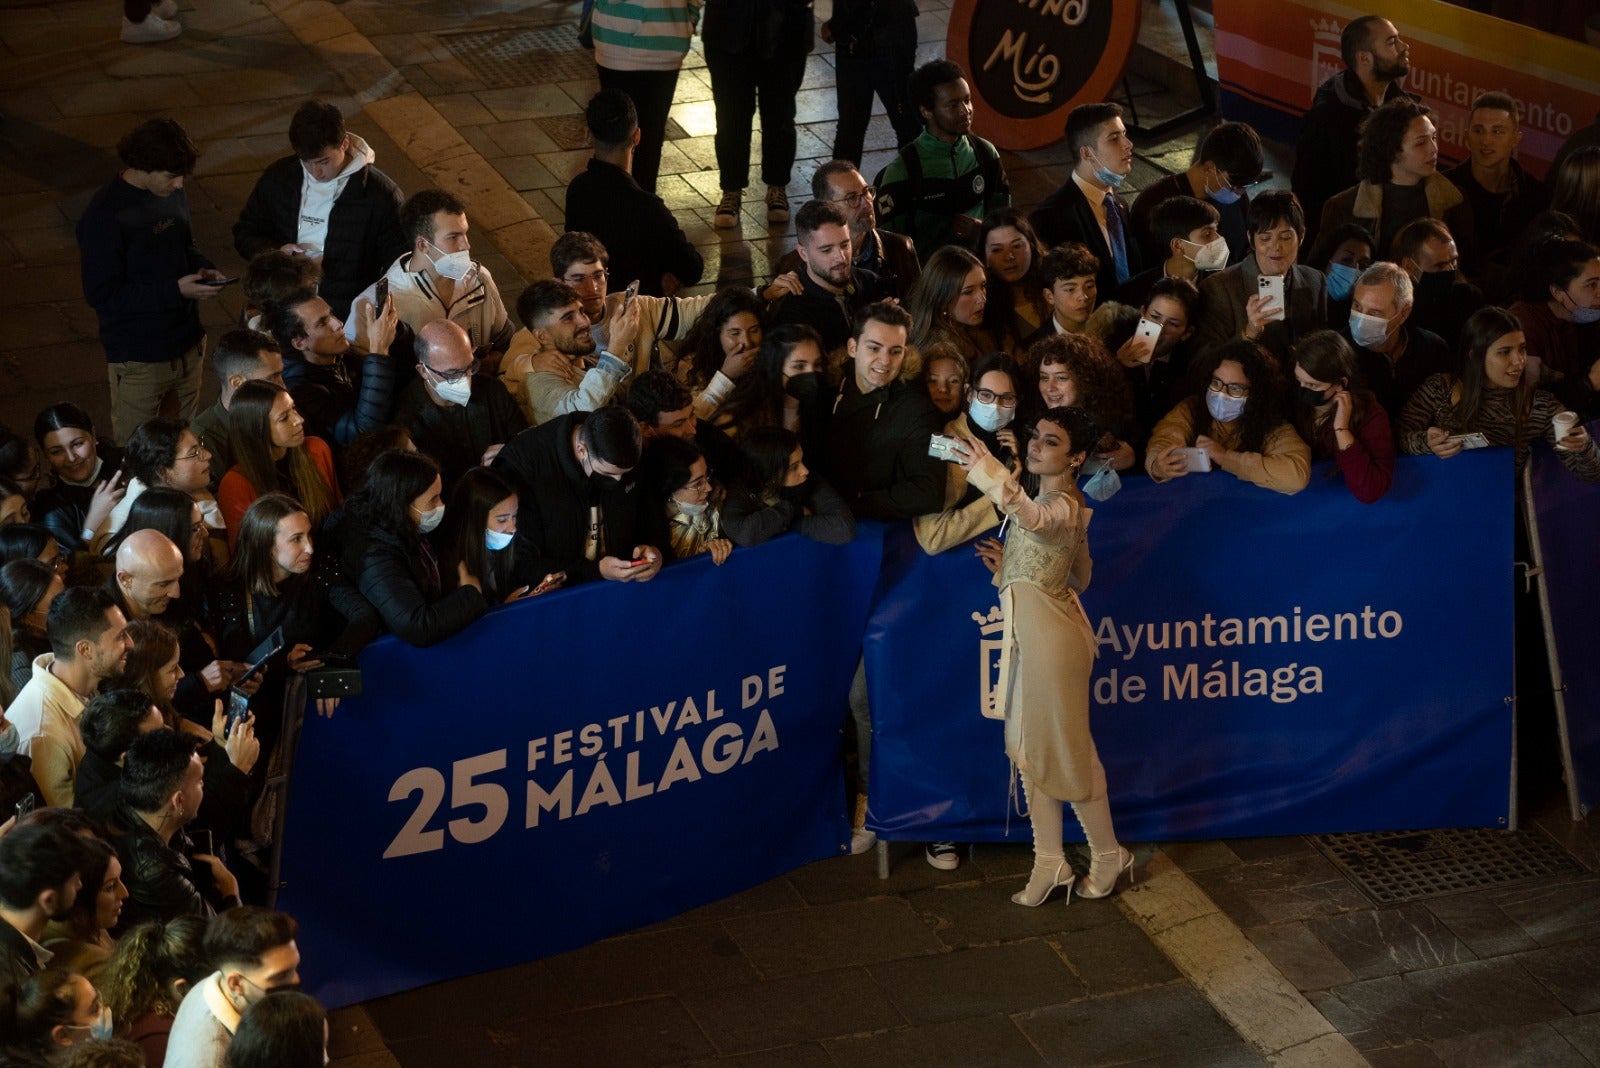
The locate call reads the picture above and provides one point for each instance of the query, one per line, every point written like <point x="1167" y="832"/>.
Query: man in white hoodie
<point x="327" y="201"/>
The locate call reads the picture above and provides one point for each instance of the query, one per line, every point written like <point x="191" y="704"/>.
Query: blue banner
<point x="1567" y="519"/>
<point x="576" y="765"/>
<point x="1268" y="664"/>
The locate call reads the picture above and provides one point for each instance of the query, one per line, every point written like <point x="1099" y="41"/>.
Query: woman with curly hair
<point x="1234" y="416"/>
<point x="1076" y="371"/>
<point x="154" y="966"/>
<point x="720" y="349"/>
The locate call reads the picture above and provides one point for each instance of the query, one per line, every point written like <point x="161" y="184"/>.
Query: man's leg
<point x="893" y="55"/>
<point x="651" y="92"/>
<point x="136" y="393"/>
<point x="853" y="78"/>
<point x="188" y="376"/>
<point x="733" y="87"/>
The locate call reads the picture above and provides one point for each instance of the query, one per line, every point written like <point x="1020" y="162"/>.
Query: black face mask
<point x="803" y="388"/>
<point x="1435" y="285"/>
<point x="1310" y="398"/>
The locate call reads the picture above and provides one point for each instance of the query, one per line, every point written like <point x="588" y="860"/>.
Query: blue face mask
<point x="1103" y="482"/>
<point x="1103" y="176"/>
<point x="1223" y="408"/>
<point x="1341" y="280"/>
<point x="496" y="540"/>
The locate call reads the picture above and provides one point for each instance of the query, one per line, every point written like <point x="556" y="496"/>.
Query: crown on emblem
<point x="992" y="623"/>
<point x="1325" y="28"/>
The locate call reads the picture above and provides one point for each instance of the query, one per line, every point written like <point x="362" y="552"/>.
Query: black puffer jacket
<point x="345" y="399"/>
<point x="403" y="584"/>
<point x="875" y="451"/>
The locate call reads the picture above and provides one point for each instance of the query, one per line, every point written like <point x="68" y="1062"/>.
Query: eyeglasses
<point x="1236" y="390"/>
<point x="703" y="482"/>
<point x="200" y="451"/>
<point x="455" y="376"/>
<point x="855" y="199"/>
<point x="989" y="396"/>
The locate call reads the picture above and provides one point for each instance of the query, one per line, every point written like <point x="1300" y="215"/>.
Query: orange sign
<point x="1030" y="62"/>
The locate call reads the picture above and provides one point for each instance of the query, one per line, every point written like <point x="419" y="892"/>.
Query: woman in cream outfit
<point x="1049" y="649"/>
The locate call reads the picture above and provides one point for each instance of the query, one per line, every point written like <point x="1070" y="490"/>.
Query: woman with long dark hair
<point x="81" y="940"/>
<point x="720" y="349"/>
<point x="388" y="555"/>
<point x="1048" y="649"/>
<point x="678" y="512"/>
<point x="77" y="509"/>
<point x="989" y="413"/>
<point x="480" y="533"/>
<point x="1494" y="395"/>
<point x="273" y="454"/>
<point x="1234" y="415"/>
<point x="779" y="493"/>
<point x="1339" y="417"/>
<point x="1011" y="252"/>
<point x="785" y="382"/>
<point x="52" y="1010"/>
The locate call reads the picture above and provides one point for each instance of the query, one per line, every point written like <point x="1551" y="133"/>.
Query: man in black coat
<point x="890" y="256"/>
<point x="329" y="202"/>
<point x="642" y="237"/>
<point x="1087" y="208"/>
<point x="832" y="289"/>
<point x="579" y="510"/>
<point x="39" y="881"/>
<point x="454" y="414"/>
<point x="341" y="391"/>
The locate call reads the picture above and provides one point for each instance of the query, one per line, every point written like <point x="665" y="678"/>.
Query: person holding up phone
<point x="1268" y="297"/>
<point x="1233" y="420"/>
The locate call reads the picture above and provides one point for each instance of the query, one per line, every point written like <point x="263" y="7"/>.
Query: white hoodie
<point x="316" y="198"/>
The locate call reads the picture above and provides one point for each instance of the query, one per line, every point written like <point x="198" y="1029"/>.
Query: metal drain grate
<point x="1395" y="866"/>
<point x="567" y="131"/>
<point x="512" y="56"/>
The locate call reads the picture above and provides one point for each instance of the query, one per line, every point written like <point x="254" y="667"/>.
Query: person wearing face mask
<point x="1395" y="356"/>
<point x="454" y="413"/>
<point x="386" y="551"/>
<point x="327" y="201"/>
<point x="1560" y="312"/>
<point x="1047" y="652"/>
<point x="1444" y="301"/>
<point x="53" y="1011"/>
<point x="480" y="534"/>
<point x="437" y="279"/>
<point x="785" y="386"/>
<point x="1190" y="245"/>
<point x="40" y="879"/>
<point x="1341" y="254"/>
<point x="1226" y="163"/>
<point x="1235" y="416"/>
<point x="1339" y="417"/>
<point x="988" y="414"/>
<point x="254" y="952"/>
<point x="163" y="784"/>
<point x="682" y="508"/>
<point x="1087" y="208"/>
<point x="1493" y="394"/>
<point x="779" y="493"/>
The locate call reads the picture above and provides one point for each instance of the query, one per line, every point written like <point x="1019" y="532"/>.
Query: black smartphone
<point x="238" y="710"/>
<point x="380" y="295"/>
<point x="203" y="845"/>
<point x="25" y="807"/>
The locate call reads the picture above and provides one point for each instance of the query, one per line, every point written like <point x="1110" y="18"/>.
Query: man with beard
<point x="554" y="370"/>
<point x="832" y="288"/>
<point x="88" y="642"/>
<point x="890" y="256"/>
<point x="1375" y="60"/>
<point x="940" y="186"/>
<point x="342" y="390"/>
<point x="39" y="881"/>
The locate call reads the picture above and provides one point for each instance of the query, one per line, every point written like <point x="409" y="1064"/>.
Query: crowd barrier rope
<point x="601" y="758"/>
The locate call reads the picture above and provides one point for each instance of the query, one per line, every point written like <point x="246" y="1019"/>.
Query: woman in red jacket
<point x="272" y="453"/>
<point x="1339" y="416"/>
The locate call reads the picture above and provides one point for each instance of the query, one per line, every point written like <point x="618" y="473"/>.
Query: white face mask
<point x="455" y="390"/>
<point x="990" y="417"/>
<point x="1368" y="331"/>
<point x="452" y="265"/>
<point x="430" y="520"/>
<point x="496" y="540"/>
<point x="685" y="508"/>
<point x="1213" y="255"/>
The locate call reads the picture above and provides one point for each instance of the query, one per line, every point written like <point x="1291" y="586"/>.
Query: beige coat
<point x="46" y="716"/>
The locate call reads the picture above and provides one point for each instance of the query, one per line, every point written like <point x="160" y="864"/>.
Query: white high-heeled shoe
<point x="1043" y="882"/>
<point x="1095" y="884"/>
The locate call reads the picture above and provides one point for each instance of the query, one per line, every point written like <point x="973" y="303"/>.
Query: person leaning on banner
<point x="1560" y="312"/>
<point x="1232" y="420"/>
<point x="1495" y="396"/>
<point x="778" y="493"/>
<point x="480" y="532"/>
<point x="386" y="551"/>
<point x="1340" y="417"/>
<point x="989" y="410"/>
<point x="579" y="511"/>
<point x="1395" y="356"/>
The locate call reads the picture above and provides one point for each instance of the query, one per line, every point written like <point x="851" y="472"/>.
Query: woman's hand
<point x="1259" y="310"/>
<point x="243" y="747"/>
<point x="300" y="660"/>
<point x="738" y="363"/>
<point x="1135" y="351"/>
<point x="467" y="578"/>
<point x="1008" y="441"/>
<point x="1439" y="441"/>
<point x="1171" y="464"/>
<point x="1212" y="449"/>
<point x="107" y="495"/>
<point x="1342" y="406"/>
<point x="219" y="674"/>
<point x="1577" y="439"/>
<point x="990" y="551"/>
<point x="721" y="549"/>
<point x="521" y="593"/>
<point x="326" y="706"/>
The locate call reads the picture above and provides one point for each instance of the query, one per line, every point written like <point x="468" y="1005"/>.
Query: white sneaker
<point x="862" y="840"/>
<point x="167" y="9"/>
<point x="153" y="29"/>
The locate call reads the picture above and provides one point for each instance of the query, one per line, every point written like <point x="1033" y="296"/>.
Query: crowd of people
<point x="396" y="448"/>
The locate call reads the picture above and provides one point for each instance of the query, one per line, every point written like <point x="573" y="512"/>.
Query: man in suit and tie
<point x="1087" y="208"/>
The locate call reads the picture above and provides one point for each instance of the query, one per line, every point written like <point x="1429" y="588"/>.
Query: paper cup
<point x="1562" y="425"/>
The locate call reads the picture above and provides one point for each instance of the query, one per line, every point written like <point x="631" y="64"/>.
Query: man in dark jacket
<point x="579" y="511"/>
<point x="144" y="277"/>
<point x="642" y="237"/>
<point x="833" y="289"/>
<point x="163" y="783"/>
<point x="329" y="202"/>
<point x="1087" y="208"/>
<point x="1375" y="60"/>
<point x="876" y="451"/>
<point x="890" y="256"/>
<point x="454" y="414"/>
<point x="39" y="881"/>
<point x="341" y="391"/>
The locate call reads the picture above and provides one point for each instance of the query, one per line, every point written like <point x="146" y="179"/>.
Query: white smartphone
<point x="1195" y="459"/>
<point x="1151" y="332"/>
<point x="1271" y="285"/>
<point x="1468" y="441"/>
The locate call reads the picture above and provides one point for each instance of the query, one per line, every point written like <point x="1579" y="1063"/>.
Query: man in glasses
<point x="454" y="413"/>
<point x="1227" y="162"/>
<point x="890" y="256"/>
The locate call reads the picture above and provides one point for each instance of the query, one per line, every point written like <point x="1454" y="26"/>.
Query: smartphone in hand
<point x="203" y="844"/>
<point x="380" y="296"/>
<point x="1271" y="286"/>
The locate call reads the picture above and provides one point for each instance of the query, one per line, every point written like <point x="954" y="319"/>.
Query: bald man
<point x="146" y="585"/>
<point x="454" y="413"/>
